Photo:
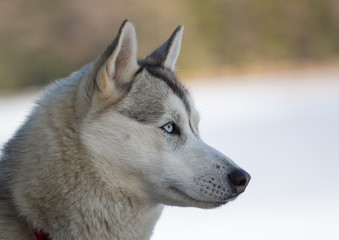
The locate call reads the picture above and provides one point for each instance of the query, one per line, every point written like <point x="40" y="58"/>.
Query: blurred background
<point x="265" y="76"/>
<point x="43" y="40"/>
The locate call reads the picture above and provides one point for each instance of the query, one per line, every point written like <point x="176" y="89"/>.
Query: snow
<point x="283" y="128"/>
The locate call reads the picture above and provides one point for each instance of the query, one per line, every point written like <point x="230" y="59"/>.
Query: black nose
<point x="239" y="178"/>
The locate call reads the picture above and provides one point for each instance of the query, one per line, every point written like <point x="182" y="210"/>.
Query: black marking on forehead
<point x="170" y="79"/>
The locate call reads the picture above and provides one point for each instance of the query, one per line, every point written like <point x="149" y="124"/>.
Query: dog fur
<point x="105" y="148"/>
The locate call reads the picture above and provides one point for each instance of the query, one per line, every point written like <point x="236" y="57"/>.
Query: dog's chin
<point x="184" y="200"/>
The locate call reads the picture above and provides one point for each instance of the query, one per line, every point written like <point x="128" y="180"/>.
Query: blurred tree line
<point x="42" y="40"/>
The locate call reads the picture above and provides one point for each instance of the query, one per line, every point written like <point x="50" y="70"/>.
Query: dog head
<point x="142" y="133"/>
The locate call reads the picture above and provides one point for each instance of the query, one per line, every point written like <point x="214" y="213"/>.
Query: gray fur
<point x="92" y="160"/>
<point x="171" y="80"/>
<point x="143" y="103"/>
<point x="146" y="102"/>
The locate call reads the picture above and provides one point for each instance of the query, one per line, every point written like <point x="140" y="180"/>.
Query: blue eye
<point x="171" y="128"/>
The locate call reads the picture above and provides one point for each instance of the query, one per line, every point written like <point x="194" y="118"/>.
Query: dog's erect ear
<point x="167" y="54"/>
<point x="118" y="62"/>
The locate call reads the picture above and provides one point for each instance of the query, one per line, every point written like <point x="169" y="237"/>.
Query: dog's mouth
<point x="201" y="203"/>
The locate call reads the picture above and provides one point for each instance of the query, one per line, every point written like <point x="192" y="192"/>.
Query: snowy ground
<point x="283" y="128"/>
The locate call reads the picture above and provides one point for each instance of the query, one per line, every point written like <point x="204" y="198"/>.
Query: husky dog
<point x="107" y="147"/>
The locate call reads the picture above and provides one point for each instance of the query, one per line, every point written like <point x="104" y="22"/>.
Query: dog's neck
<point x="125" y="218"/>
<point x="121" y="210"/>
<point x="99" y="215"/>
<point x="111" y="207"/>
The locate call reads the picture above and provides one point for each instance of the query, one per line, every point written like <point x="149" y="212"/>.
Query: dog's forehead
<point x="171" y="82"/>
<point x="148" y="97"/>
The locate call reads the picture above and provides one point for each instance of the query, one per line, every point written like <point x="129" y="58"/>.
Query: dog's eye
<point x="171" y="128"/>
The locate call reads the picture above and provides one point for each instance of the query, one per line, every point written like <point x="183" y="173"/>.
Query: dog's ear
<point x="118" y="63"/>
<point x="167" y="54"/>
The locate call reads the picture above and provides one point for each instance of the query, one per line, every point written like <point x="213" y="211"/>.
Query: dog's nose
<point x="240" y="179"/>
